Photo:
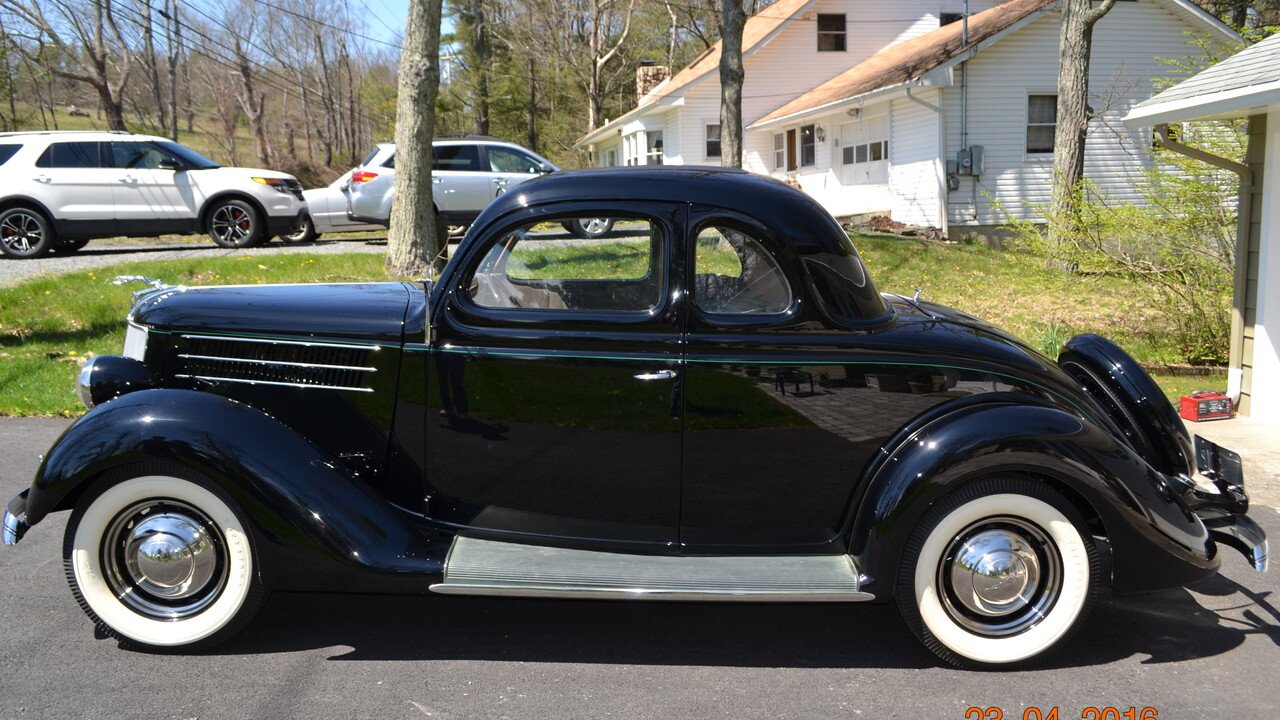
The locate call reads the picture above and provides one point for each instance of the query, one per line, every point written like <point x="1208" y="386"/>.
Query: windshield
<point x="192" y="159"/>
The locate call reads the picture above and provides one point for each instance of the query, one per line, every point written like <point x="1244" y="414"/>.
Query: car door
<point x="152" y="193"/>
<point x="555" y="377"/>
<point x="461" y="180"/>
<point x="79" y="186"/>
<point x="771" y="450"/>
<point x="509" y="167"/>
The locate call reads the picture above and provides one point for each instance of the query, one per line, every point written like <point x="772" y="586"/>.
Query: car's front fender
<point x="314" y="522"/>
<point x="1155" y="541"/>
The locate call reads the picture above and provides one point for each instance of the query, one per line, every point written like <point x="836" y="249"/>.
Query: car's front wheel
<point x="160" y="559"/>
<point x="235" y="224"/>
<point x="589" y="228"/>
<point x="997" y="573"/>
<point x="25" y="233"/>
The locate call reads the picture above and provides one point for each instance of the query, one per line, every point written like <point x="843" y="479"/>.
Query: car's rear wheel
<point x="997" y="573"/>
<point x="235" y="224"/>
<point x="25" y="233"/>
<point x="589" y="228"/>
<point x="161" y="560"/>
<point x="303" y="232"/>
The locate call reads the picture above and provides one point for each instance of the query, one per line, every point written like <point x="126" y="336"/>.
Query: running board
<point x="487" y="567"/>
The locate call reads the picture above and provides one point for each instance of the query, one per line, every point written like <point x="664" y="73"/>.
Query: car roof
<point x="83" y="135"/>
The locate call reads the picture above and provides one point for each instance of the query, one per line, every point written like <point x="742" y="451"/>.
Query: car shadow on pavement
<point x="1166" y="626"/>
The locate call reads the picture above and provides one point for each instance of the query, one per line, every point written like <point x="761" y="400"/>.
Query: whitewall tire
<point x="997" y="573"/>
<point x="159" y="559"/>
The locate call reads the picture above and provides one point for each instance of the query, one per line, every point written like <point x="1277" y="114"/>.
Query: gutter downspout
<point x="942" y="158"/>
<point x="1244" y="214"/>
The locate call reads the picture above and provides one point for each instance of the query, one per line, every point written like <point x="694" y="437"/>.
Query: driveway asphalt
<point x="109" y="252"/>
<point x="1209" y="652"/>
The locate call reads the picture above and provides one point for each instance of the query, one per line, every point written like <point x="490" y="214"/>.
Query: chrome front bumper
<point x="1241" y="533"/>
<point x="1222" y="508"/>
<point x="15" y="519"/>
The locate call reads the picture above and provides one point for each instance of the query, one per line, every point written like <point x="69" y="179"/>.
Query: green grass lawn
<point x="50" y="324"/>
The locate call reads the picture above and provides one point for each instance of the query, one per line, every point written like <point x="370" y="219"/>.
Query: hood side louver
<point x="286" y="363"/>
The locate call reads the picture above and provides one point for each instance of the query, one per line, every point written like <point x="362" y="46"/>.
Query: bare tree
<point x="1075" y="45"/>
<point x="89" y="38"/>
<point x="416" y="238"/>
<point x="252" y="102"/>
<point x="151" y="63"/>
<point x="603" y="48"/>
<point x="733" y="18"/>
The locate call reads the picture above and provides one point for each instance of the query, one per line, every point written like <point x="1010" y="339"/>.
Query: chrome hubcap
<point x="20" y="232"/>
<point x="1000" y="576"/>
<point x="299" y="230"/>
<point x="164" y="559"/>
<point x="231" y="223"/>
<point x="595" y="226"/>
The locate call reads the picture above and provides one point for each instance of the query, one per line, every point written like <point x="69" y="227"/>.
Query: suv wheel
<point x="235" y="224"/>
<point x="25" y="233"/>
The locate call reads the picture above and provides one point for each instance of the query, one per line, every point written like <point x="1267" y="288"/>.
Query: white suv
<point x="59" y="190"/>
<point x="466" y="175"/>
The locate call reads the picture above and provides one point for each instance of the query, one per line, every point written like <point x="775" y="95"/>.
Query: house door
<point x="791" y="150"/>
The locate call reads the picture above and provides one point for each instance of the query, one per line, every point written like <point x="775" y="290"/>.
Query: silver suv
<point x="467" y="174"/>
<point x="62" y="189"/>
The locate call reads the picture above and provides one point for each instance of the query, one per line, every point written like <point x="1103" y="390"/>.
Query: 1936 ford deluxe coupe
<point x="710" y="402"/>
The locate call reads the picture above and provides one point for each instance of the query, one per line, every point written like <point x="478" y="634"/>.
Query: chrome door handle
<point x="659" y="375"/>
<point x="128" y="179"/>
<point x="499" y="181"/>
<point x="436" y="180"/>
<point x="41" y="178"/>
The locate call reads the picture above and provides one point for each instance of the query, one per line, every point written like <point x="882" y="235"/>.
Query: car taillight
<point x="360" y="176"/>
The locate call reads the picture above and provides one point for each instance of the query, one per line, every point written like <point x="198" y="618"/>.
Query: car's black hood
<point x="357" y="311"/>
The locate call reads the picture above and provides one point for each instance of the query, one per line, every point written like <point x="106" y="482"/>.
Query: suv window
<point x="137" y="155"/>
<point x="508" y="160"/>
<point x="7" y="152"/>
<point x="369" y="158"/>
<point x="541" y="266"/>
<point x="455" y="157"/>
<point x="71" y="155"/>
<point x="735" y="275"/>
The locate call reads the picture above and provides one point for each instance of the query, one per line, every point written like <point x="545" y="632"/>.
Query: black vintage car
<point x="711" y="402"/>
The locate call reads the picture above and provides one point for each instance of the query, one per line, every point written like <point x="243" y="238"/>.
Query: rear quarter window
<point x="71" y="155"/>
<point x="7" y="152"/>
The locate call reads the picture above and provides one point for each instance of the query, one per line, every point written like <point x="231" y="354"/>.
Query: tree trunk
<point x="533" y="105"/>
<point x="173" y="35"/>
<point x="1075" y="45"/>
<point x="253" y="103"/>
<point x="415" y="243"/>
<point x="732" y="19"/>
<point x="152" y="66"/>
<point x="482" y="58"/>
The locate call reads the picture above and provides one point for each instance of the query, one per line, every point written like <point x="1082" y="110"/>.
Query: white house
<point x="911" y="109"/>
<point x="1245" y="85"/>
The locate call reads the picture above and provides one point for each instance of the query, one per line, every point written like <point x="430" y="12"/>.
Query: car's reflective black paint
<point x="829" y="428"/>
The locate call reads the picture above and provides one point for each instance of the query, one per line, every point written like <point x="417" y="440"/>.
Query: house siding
<point x="1128" y="45"/>
<point x="1250" y="246"/>
<point x="915" y="171"/>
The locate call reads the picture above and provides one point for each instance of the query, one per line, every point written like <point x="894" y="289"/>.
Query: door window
<point x="8" y="151"/>
<point x="456" y="157"/>
<point x="137" y="155"/>
<point x="735" y="275"/>
<point x="506" y="160"/>
<point x="71" y="155"/>
<point x="545" y="266"/>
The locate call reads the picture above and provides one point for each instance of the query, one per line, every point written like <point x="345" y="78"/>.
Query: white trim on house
<point x="1248" y="100"/>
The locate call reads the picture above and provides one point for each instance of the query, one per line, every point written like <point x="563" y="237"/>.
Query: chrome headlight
<point x="135" y="342"/>
<point x="109" y="376"/>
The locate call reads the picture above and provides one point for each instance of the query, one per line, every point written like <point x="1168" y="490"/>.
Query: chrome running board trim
<point x="489" y="567"/>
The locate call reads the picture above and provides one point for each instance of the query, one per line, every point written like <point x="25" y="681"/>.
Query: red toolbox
<point x="1205" y="405"/>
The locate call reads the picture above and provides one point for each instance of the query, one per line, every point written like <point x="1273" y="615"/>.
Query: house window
<point x="653" y="147"/>
<point x="948" y="18"/>
<point x="780" y="151"/>
<point x="831" y="33"/>
<point x="713" y="140"/>
<point x="611" y="158"/>
<point x="808" y="152"/>
<point x="1042" y="121"/>
<point x="631" y="149"/>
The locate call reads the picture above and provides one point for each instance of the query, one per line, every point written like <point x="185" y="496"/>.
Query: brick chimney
<point x="648" y="76"/>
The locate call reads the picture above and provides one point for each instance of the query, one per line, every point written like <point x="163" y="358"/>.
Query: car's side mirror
<point x="544" y="167"/>
<point x="171" y="164"/>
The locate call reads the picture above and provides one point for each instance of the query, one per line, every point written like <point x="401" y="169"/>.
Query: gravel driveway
<point x="110" y="252"/>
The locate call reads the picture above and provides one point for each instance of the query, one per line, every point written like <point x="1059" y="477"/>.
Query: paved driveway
<point x="109" y="252"/>
<point x="1208" y="653"/>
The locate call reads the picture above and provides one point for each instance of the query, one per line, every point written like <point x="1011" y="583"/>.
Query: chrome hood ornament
<point x="127" y="279"/>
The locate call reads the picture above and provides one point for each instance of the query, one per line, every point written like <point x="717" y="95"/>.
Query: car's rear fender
<point x="1155" y="541"/>
<point x="313" y="522"/>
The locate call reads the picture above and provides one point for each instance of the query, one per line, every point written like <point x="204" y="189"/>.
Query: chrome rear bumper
<point x="1241" y="533"/>
<point x="15" y="519"/>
